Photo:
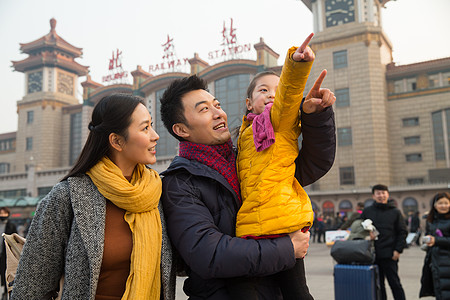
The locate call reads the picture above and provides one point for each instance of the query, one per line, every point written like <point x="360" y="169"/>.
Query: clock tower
<point x="350" y="43"/>
<point x="51" y="80"/>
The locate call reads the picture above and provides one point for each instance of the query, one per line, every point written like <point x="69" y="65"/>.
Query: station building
<point x="393" y="122"/>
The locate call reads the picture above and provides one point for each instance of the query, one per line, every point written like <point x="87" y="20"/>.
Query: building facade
<point x="393" y="122"/>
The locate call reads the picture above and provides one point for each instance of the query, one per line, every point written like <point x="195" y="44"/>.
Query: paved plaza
<point x="319" y="270"/>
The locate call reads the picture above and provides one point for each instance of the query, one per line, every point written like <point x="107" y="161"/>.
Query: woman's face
<point x="442" y="206"/>
<point x="140" y="145"/>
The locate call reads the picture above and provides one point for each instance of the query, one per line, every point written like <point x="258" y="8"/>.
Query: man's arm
<point x="208" y="251"/>
<point x="317" y="153"/>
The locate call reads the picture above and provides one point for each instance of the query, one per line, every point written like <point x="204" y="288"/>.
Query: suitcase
<point x="356" y="282"/>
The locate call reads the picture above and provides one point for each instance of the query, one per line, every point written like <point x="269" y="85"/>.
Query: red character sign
<point x="114" y="62"/>
<point x="228" y="37"/>
<point x="167" y="48"/>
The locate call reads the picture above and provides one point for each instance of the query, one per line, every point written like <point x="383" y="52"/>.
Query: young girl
<point x="273" y="202"/>
<point x="100" y="227"/>
<point x="436" y="268"/>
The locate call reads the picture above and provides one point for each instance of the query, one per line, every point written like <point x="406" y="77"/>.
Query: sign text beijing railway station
<point x="229" y="49"/>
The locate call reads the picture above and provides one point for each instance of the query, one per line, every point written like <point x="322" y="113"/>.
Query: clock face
<point x="65" y="84"/>
<point x="34" y="82"/>
<point x="339" y="12"/>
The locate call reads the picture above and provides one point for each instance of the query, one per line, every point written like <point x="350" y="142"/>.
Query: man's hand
<point x="396" y="255"/>
<point x="300" y="241"/>
<point x="318" y="99"/>
<point x="304" y="53"/>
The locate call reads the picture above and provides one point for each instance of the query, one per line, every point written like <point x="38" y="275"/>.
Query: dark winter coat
<point x="201" y="207"/>
<point x="436" y="270"/>
<point x="415" y="223"/>
<point x="389" y="221"/>
<point x="67" y="237"/>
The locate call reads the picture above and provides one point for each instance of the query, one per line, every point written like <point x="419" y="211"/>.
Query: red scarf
<point x="218" y="157"/>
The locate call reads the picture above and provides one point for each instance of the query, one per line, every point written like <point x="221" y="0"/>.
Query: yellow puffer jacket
<point x="273" y="200"/>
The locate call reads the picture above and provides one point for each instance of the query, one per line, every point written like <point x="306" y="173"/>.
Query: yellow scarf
<point x="140" y="199"/>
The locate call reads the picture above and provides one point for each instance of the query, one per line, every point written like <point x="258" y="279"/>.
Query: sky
<point x="418" y="31"/>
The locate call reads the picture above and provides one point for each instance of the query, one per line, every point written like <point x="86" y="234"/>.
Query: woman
<point x="100" y="227"/>
<point x="436" y="269"/>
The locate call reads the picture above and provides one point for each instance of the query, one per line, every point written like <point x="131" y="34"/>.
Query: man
<point x="389" y="221"/>
<point x="201" y="193"/>
<point x="5" y="227"/>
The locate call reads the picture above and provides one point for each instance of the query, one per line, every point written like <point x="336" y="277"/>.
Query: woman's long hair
<point x="433" y="212"/>
<point x="112" y="114"/>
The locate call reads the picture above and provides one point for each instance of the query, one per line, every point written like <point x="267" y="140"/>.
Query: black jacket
<point x="389" y="221"/>
<point x="201" y="207"/>
<point x="436" y="270"/>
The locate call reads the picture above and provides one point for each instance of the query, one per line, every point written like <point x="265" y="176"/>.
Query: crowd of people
<point x="113" y="228"/>
<point x="391" y="239"/>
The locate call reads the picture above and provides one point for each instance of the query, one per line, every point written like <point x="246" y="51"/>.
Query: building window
<point x="231" y="92"/>
<point x="344" y="136"/>
<point x="43" y="191"/>
<point x="167" y="144"/>
<point x="446" y="79"/>
<point x="345" y="206"/>
<point x="413" y="157"/>
<point x="13" y="193"/>
<point x="342" y="97"/>
<point x="347" y="175"/>
<point x="369" y="202"/>
<point x="414" y="181"/>
<point x="412" y="140"/>
<point x="29" y="144"/>
<point x="409" y="122"/>
<point x="410" y="204"/>
<point x="7" y="144"/>
<point x="328" y="208"/>
<point x="30" y="117"/>
<point x="75" y="137"/>
<point x="433" y="80"/>
<point x="411" y="84"/>
<point x="340" y="59"/>
<point x="399" y="86"/>
<point x="439" y="79"/>
<point x="441" y="134"/>
<point x="4" y="168"/>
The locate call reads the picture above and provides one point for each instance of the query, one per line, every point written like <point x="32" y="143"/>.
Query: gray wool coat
<point x="66" y="237"/>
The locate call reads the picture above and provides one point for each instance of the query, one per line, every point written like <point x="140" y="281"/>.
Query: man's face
<point x="206" y="121"/>
<point x="380" y="196"/>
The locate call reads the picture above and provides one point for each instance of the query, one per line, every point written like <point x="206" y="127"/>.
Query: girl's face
<point x="263" y="93"/>
<point x="140" y="145"/>
<point x="442" y="206"/>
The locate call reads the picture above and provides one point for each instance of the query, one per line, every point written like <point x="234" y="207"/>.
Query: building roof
<point x="8" y="135"/>
<point x="50" y="50"/>
<point x="430" y="66"/>
<point x="51" y="40"/>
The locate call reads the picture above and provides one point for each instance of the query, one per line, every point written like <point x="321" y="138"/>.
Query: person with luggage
<point x="436" y="268"/>
<point x="413" y="223"/>
<point x="391" y="240"/>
